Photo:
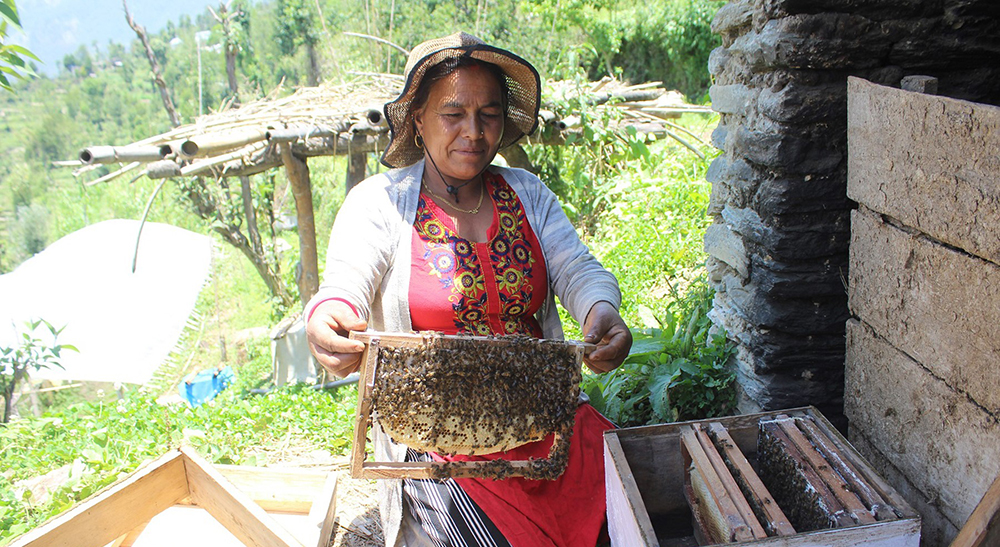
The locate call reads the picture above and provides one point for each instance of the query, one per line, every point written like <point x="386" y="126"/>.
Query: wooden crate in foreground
<point x="645" y="479"/>
<point x="237" y="497"/>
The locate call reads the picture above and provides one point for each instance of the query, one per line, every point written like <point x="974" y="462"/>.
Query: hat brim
<point x="523" y="99"/>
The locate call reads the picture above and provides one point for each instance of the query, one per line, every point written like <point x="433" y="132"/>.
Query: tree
<point x="296" y="27"/>
<point x="29" y="353"/>
<point x="12" y="57"/>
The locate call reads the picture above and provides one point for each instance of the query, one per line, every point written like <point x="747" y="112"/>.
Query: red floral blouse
<point x="461" y="286"/>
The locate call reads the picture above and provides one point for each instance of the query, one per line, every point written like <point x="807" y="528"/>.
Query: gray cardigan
<point x="368" y="264"/>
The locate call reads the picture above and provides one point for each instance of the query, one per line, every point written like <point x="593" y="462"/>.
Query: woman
<point x="447" y="242"/>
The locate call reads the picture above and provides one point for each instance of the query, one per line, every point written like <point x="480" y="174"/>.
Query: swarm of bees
<point x="470" y="396"/>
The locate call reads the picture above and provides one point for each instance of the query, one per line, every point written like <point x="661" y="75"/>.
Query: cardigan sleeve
<point x="575" y="275"/>
<point x="360" y="249"/>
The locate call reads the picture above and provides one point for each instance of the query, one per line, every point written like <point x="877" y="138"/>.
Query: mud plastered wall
<point x="922" y="382"/>
<point x="779" y="240"/>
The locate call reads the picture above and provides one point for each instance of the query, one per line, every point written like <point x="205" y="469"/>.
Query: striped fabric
<point x="446" y="513"/>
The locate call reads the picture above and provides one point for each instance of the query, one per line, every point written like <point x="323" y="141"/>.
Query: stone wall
<point x="923" y="386"/>
<point x="779" y="242"/>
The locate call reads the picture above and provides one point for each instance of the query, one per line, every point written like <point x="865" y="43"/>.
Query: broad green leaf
<point x="23" y="51"/>
<point x="9" y="12"/>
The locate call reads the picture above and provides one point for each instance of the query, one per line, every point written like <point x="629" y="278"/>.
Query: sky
<point x="53" y="28"/>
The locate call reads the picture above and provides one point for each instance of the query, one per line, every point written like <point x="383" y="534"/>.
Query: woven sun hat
<point x="522" y="101"/>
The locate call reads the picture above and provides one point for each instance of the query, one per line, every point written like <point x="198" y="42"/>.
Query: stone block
<point x="939" y="439"/>
<point x="719" y="136"/>
<point x="933" y="42"/>
<point x="796" y="316"/>
<point x="801" y="279"/>
<point x="935" y="528"/>
<point x="930" y="162"/>
<point x="805" y="236"/>
<point x="730" y="99"/>
<point x="938" y="305"/>
<point x="733" y="17"/>
<point x="799" y="103"/>
<point x="919" y="84"/>
<point x="727" y="246"/>
<point x="868" y="8"/>
<point x="747" y="223"/>
<point x="822" y="387"/>
<point x="774" y="350"/>
<point x="777" y="351"/>
<point x="717" y="61"/>
<point x="823" y="41"/>
<point x="804" y="194"/>
<point x="740" y="178"/>
<point x="785" y="151"/>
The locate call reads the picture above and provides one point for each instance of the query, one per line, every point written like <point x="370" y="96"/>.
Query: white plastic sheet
<point x="124" y="324"/>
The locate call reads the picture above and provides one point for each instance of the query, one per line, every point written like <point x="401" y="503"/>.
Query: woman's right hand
<point x="327" y="332"/>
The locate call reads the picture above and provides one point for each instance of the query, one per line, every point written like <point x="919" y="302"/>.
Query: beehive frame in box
<point x="472" y="395"/>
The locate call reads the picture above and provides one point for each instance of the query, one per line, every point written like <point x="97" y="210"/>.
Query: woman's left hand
<point x="606" y="328"/>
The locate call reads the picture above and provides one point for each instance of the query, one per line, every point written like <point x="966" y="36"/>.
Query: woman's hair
<point x="441" y="70"/>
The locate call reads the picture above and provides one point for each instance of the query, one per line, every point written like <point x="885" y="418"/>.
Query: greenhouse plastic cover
<point x="124" y="324"/>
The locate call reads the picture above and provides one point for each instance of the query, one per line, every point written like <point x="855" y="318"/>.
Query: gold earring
<point x="418" y="140"/>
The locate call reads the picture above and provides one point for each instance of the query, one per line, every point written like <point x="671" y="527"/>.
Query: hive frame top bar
<point x="418" y="339"/>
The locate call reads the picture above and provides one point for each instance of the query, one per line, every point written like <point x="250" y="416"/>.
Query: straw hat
<point x="522" y="82"/>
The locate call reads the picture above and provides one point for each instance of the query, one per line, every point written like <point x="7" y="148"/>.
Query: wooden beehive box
<point x="645" y="478"/>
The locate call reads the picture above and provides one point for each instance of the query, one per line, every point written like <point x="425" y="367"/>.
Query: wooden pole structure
<point x="356" y="170"/>
<point x="297" y="171"/>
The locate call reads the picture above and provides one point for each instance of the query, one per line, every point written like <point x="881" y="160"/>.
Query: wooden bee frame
<point x="419" y="470"/>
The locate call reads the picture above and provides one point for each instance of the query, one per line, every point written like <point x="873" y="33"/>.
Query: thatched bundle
<point x="348" y="119"/>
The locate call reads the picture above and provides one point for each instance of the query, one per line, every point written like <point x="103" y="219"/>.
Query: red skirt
<point x="566" y="512"/>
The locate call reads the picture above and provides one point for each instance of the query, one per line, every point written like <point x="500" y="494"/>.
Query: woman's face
<point x="462" y="122"/>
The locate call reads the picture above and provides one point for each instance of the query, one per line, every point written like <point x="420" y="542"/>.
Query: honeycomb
<point x="474" y="396"/>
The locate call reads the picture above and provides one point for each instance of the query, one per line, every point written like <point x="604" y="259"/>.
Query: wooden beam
<point x="774" y="518"/>
<point x="324" y="511"/>
<point x="231" y="507"/>
<point x="117" y="510"/>
<point x="298" y="177"/>
<point x="868" y="495"/>
<point x="832" y="480"/>
<point x="730" y="484"/>
<point x="983" y="527"/>
<point x="362" y="413"/>
<point x="711" y="500"/>
<point x="357" y="165"/>
<point x="275" y="490"/>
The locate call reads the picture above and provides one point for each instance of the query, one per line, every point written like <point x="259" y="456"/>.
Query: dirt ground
<point x="357" y="521"/>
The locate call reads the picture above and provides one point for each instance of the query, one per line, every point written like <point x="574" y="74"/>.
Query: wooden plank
<point x="232" y="508"/>
<point x="828" y="503"/>
<point x="427" y="470"/>
<point x="729" y="483"/>
<point x="362" y="416"/>
<point x="130" y="538"/>
<point x="116" y="510"/>
<point x="721" y="515"/>
<point x="894" y="533"/>
<point x="983" y="527"/>
<point x="324" y="511"/>
<point x="410" y="340"/>
<point x="282" y="490"/>
<point x="840" y="489"/>
<point x="775" y="520"/>
<point x="628" y="522"/>
<point x="868" y="495"/>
